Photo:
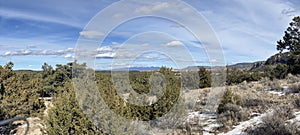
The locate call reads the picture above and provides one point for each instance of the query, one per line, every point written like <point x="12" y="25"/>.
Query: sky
<point x="34" y="31"/>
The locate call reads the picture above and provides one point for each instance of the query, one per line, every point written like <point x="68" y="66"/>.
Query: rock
<point x="35" y="127"/>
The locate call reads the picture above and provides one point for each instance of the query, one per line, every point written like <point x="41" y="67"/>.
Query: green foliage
<point x="96" y="108"/>
<point x="47" y="70"/>
<point x="280" y="71"/>
<point x="228" y="98"/>
<point x="150" y="112"/>
<point x="294" y="64"/>
<point x="66" y="117"/>
<point x="205" y="78"/>
<point x="140" y="82"/>
<point x="291" y="42"/>
<point x="19" y="93"/>
<point x="6" y="72"/>
<point x="2" y="90"/>
<point x="291" y="38"/>
<point x="9" y="66"/>
<point x="235" y="76"/>
<point x="53" y="81"/>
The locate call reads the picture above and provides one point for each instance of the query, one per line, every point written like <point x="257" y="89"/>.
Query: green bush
<point x="230" y="110"/>
<point x="294" y="64"/>
<point x="205" y="78"/>
<point x="252" y="102"/>
<point x="232" y="115"/>
<point x="228" y="98"/>
<point x="67" y="118"/>
<point x="19" y="96"/>
<point x="280" y="71"/>
<point x="236" y="76"/>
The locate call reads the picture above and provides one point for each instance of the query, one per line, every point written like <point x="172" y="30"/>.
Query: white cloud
<point x="91" y="34"/>
<point x="70" y="49"/>
<point x="106" y="55"/>
<point x="7" y="53"/>
<point x="38" y="52"/>
<point x="19" y="52"/>
<point x="104" y="49"/>
<point x="153" y="8"/>
<point x="213" y="61"/>
<point x="174" y="43"/>
<point x="69" y="56"/>
<point x="115" y="43"/>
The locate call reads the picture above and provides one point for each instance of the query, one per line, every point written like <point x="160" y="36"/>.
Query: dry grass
<point x="295" y="87"/>
<point x="233" y="115"/>
<point x="274" y="123"/>
<point x="292" y="78"/>
<point x="255" y="98"/>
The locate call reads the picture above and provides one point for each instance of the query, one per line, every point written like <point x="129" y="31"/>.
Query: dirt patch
<point x="35" y="127"/>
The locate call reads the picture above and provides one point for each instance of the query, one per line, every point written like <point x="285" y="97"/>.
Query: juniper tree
<point x="291" y="43"/>
<point x="291" y="38"/>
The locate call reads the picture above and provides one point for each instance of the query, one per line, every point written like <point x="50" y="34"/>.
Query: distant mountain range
<point x="253" y="66"/>
<point x="143" y="68"/>
<point x="138" y="69"/>
<point x="238" y="65"/>
<point x="242" y="66"/>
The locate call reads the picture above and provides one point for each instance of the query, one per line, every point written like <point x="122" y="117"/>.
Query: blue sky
<point x="34" y="31"/>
